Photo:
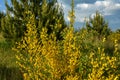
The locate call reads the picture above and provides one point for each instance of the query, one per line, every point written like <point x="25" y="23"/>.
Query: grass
<point x="8" y="68"/>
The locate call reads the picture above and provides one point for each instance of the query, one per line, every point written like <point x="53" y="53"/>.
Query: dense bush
<point x="14" y="23"/>
<point x="50" y="51"/>
<point x="77" y="56"/>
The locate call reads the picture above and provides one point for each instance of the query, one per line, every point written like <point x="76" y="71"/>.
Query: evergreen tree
<point x="2" y="15"/>
<point x="118" y="31"/>
<point x="98" y="24"/>
<point x="46" y="12"/>
<point x="10" y="32"/>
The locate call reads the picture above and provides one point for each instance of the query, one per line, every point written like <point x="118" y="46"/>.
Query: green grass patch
<point x="8" y="68"/>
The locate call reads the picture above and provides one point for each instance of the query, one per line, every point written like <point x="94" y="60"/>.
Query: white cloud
<point x="60" y="4"/>
<point x="81" y="20"/>
<point x="81" y="15"/>
<point x="111" y="9"/>
<point x="117" y="5"/>
<point x="63" y="5"/>
<point x="92" y="15"/>
<point x="85" y="10"/>
<point x="83" y="6"/>
<point x="106" y="7"/>
<point x="103" y="3"/>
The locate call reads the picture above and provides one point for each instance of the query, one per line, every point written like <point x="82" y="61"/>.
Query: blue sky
<point x="110" y="9"/>
<point x="2" y="5"/>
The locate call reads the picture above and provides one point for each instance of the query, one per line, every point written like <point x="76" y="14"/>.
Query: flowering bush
<point x="46" y="58"/>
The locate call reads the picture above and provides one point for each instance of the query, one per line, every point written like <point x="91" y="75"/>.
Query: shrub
<point x="48" y="58"/>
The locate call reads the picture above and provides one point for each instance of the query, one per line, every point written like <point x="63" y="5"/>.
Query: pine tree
<point x="118" y="31"/>
<point x="43" y="11"/>
<point x="2" y="15"/>
<point x="98" y="24"/>
<point x="9" y="29"/>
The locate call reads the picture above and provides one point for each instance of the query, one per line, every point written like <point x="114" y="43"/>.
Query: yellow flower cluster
<point x="115" y="36"/>
<point x="101" y="64"/>
<point x="71" y="52"/>
<point x="46" y="58"/>
<point x="28" y="56"/>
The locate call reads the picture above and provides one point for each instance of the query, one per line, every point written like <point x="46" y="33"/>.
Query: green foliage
<point x="118" y="30"/>
<point x="9" y="29"/>
<point x="109" y="44"/>
<point x="14" y="24"/>
<point x="8" y="68"/>
<point x="85" y="54"/>
<point x="77" y="56"/>
<point x="2" y="15"/>
<point x="9" y="73"/>
<point x="46" y="59"/>
<point x="98" y="24"/>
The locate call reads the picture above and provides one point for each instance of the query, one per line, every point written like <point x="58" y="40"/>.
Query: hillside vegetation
<point x="50" y="49"/>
